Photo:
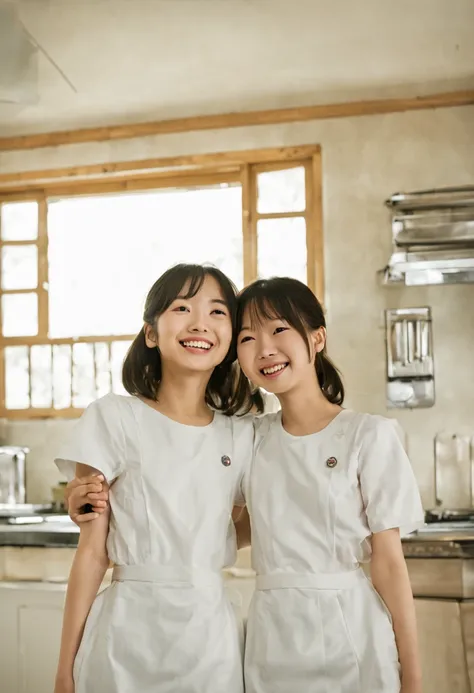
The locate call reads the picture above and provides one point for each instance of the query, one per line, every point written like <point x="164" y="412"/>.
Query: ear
<point x="318" y="339"/>
<point x="151" y="339"/>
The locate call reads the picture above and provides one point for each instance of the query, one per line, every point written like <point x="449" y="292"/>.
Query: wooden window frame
<point x="197" y="171"/>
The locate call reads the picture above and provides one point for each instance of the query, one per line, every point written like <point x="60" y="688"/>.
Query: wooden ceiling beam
<point x="274" y="116"/>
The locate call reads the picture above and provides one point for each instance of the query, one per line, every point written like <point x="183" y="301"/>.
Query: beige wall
<point x="364" y="161"/>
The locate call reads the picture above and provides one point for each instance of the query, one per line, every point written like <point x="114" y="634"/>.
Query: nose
<point x="198" y="323"/>
<point x="266" y="348"/>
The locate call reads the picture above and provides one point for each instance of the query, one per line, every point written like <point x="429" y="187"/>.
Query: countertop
<point x="48" y="531"/>
<point x="58" y="530"/>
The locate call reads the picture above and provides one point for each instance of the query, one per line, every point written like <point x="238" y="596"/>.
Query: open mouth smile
<point x="273" y="371"/>
<point x="196" y="346"/>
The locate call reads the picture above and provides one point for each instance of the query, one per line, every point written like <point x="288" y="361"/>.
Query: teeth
<point x="198" y="345"/>
<point x="273" y="369"/>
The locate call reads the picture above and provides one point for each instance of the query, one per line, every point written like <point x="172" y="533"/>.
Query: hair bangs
<point x="259" y="309"/>
<point x="183" y="281"/>
<point x="186" y="280"/>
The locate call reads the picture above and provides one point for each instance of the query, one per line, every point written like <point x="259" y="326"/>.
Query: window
<point x="77" y="260"/>
<point x="122" y="243"/>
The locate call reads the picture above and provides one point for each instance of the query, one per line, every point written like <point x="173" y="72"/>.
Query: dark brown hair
<point x="141" y="373"/>
<point x="290" y="300"/>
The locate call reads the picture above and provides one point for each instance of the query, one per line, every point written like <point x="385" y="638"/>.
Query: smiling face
<point x="281" y="335"/>
<point x="274" y="355"/>
<point x="195" y="332"/>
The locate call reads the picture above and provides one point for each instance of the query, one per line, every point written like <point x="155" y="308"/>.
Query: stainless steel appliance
<point x="410" y="367"/>
<point x="432" y="237"/>
<point x="454" y="474"/>
<point x="12" y="475"/>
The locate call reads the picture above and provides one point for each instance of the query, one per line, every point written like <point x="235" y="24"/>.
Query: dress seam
<point x="140" y="455"/>
<point x="248" y="486"/>
<point x="124" y="446"/>
<point x="323" y="643"/>
<point x="351" y="641"/>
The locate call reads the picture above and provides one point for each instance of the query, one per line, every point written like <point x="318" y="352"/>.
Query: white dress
<point x="165" y="624"/>
<point x="316" y="624"/>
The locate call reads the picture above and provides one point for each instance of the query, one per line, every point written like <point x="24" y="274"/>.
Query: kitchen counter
<point x="55" y="531"/>
<point x="37" y="547"/>
<point x="59" y="531"/>
<point x="62" y="533"/>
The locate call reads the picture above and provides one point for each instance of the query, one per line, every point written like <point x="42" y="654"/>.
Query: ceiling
<point x="138" y="60"/>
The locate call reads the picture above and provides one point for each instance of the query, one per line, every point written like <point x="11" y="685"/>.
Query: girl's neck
<point x="305" y="410"/>
<point x="181" y="397"/>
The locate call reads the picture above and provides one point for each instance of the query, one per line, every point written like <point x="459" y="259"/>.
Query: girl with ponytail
<point x="328" y="490"/>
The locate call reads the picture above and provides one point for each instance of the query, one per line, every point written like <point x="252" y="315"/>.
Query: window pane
<point x="282" y="248"/>
<point x="119" y="351"/>
<point x="62" y="358"/>
<point x="41" y="376"/>
<point x="281" y="191"/>
<point x="19" y="315"/>
<point x="19" y="221"/>
<point x="102" y="365"/>
<point x="19" y="267"/>
<point x="17" y="382"/>
<point x="83" y="385"/>
<point x="105" y="252"/>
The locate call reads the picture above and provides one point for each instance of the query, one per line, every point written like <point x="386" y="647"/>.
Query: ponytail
<point x="141" y="372"/>
<point x="329" y="378"/>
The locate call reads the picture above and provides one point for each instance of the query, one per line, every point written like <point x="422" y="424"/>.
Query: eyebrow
<point x="250" y="329"/>
<point x="212" y="300"/>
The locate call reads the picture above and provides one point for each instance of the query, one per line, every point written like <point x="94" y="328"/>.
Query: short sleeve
<point x="388" y="485"/>
<point x="243" y="453"/>
<point x="97" y="440"/>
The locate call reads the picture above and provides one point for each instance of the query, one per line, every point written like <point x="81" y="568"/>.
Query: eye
<point x="278" y="330"/>
<point x="180" y="309"/>
<point x="219" y="311"/>
<point x="246" y="339"/>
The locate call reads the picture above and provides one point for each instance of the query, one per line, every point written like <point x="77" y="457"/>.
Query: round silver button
<point x="331" y="462"/>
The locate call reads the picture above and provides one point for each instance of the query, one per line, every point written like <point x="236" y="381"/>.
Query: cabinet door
<point x="31" y="620"/>
<point x="39" y="637"/>
<point x="8" y="643"/>
<point x="441" y="646"/>
<point x="467" y="612"/>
